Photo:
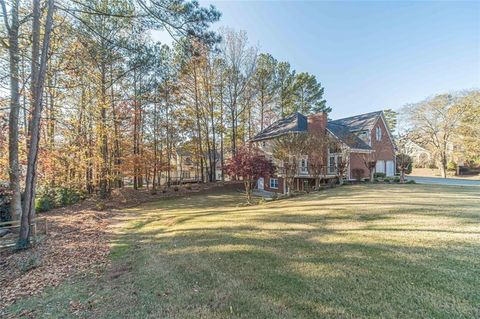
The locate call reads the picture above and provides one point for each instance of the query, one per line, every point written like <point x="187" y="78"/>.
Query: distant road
<point x="444" y="181"/>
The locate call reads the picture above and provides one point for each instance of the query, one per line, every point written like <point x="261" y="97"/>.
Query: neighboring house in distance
<point x="361" y="136"/>
<point x="421" y="157"/>
<point x="186" y="169"/>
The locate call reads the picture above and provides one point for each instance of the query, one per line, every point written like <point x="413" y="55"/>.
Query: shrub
<point x="175" y="188"/>
<point x="452" y="166"/>
<point x="48" y="198"/>
<point x="396" y="180"/>
<point x="44" y="203"/>
<point x="358" y="173"/>
<point x="379" y="175"/>
<point x="66" y="196"/>
<point x="411" y="182"/>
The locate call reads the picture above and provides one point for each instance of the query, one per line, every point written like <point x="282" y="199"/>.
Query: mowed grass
<point x="373" y="251"/>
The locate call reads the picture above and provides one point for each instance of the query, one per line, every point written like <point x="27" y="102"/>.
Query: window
<point x="331" y="164"/>
<point x="303" y="166"/>
<point x="274" y="183"/>
<point x="378" y="134"/>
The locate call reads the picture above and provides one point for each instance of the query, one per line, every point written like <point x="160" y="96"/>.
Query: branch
<point x="5" y="17"/>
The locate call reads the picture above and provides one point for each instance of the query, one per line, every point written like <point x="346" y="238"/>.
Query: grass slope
<point x="390" y="251"/>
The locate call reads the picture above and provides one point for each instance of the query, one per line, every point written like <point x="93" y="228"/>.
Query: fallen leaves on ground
<point x="77" y="240"/>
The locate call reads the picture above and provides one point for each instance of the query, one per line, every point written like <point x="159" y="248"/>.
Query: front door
<point x="261" y="183"/>
<point x="390" y="168"/>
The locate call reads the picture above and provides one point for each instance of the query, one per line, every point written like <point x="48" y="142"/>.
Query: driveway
<point x="444" y="181"/>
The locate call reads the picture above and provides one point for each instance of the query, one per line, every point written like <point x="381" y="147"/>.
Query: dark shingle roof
<point x="344" y="129"/>
<point x="345" y="135"/>
<point x="292" y="123"/>
<point x="360" y="122"/>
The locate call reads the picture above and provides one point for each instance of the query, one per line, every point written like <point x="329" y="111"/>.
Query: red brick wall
<point x="384" y="149"/>
<point x="317" y="124"/>
<point x="356" y="161"/>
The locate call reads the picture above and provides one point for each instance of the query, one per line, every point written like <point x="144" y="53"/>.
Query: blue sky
<point x="367" y="55"/>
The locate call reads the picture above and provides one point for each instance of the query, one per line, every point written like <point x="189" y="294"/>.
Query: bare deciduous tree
<point x="288" y="150"/>
<point x="434" y="122"/>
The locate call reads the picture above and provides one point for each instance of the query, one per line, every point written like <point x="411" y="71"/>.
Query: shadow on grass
<point x="284" y="262"/>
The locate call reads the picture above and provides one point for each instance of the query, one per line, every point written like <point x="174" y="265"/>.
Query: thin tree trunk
<point x="155" y="146"/>
<point x="104" y="187"/>
<point x="37" y="93"/>
<point x="199" y="131"/>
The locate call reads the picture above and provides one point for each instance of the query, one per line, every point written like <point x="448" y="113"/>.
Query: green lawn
<point x="389" y="251"/>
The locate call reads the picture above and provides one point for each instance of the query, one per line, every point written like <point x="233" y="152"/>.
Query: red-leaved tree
<point x="250" y="164"/>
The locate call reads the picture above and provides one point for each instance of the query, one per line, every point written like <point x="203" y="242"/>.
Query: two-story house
<point x="358" y="139"/>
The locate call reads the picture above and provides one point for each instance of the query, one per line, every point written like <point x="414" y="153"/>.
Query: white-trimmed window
<point x="378" y="133"/>
<point x="331" y="164"/>
<point x="274" y="183"/>
<point x="303" y="166"/>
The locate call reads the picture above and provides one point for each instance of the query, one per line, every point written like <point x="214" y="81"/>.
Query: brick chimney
<point x="317" y="124"/>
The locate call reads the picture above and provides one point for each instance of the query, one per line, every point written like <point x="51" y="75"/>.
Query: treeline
<point x="110" y="104"/>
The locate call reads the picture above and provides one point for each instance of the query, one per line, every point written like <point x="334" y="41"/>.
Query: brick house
<point x="358" y="138"/>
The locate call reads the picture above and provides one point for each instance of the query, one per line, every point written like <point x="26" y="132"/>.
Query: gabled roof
<point x="292" y="123"/>
<point x="360" y="122"/>
<point x="343" y="129"/>
<point x="345" y="135"/>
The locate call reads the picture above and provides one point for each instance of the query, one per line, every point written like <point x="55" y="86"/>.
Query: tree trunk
<point x="222" y="162"/>
<point x="37" y="93"/>
<point x="13" y="161"/>
<point x="117" y="177"/>
<point x="199" y="130"/>
<point x="155" y="147"/>
<point x="443" y="165"/>
<point x="104" y="187"/>
<point x="248" y="189"/>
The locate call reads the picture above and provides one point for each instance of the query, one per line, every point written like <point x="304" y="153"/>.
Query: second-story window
<point x="378" y="134"/>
